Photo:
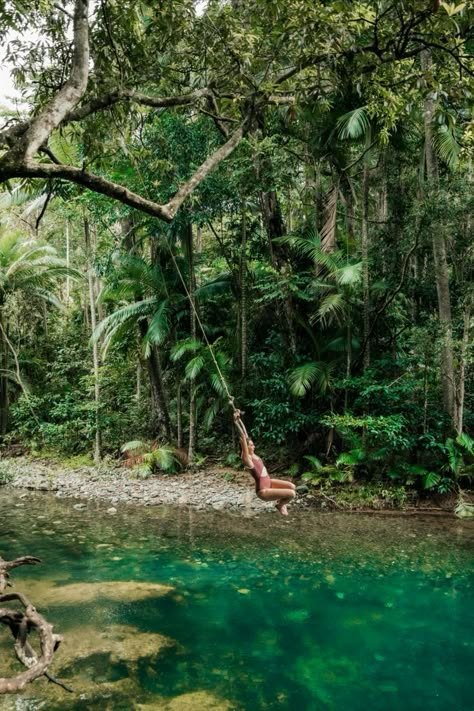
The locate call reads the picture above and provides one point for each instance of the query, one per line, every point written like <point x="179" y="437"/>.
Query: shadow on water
<point x="173" y="609"/>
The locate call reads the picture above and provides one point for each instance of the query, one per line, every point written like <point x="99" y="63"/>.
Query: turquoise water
<point x="321" y="611"/>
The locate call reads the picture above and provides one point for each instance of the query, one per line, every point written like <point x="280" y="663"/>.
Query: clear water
<point x="321" y="611"/>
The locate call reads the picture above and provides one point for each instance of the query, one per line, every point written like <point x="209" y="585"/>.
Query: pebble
<point x="199" y="489"/>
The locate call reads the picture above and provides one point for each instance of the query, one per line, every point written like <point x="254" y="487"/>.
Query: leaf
<point x="183" y="347"/>
<point x="355" y="456"/>
<point x="159" y="325"/>
<point x="332" y="308"/>
<point x="354" y="124"/>
<point x="431" y="479"/>
<point x="194" y="367"/>
<point x="314" y="461"/>
<point x="349" y="274"/>
<point x="447" y="146"/>
<point x="302" y="378"/>
<point x="136" y="446"/>
<point x="466" y="442"/>
<point x="452" y="9"/>
<point x="464" y="510"/>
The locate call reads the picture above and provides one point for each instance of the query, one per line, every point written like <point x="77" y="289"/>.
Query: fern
<point x="466" y="443"/>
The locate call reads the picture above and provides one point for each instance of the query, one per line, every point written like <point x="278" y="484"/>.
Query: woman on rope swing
<point x="282" y="492"/>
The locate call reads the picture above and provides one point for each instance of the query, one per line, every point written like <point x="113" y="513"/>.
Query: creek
<point x="176" y="609"/>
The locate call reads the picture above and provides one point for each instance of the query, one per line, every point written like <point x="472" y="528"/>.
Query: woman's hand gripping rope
<point x="239" y="424"/>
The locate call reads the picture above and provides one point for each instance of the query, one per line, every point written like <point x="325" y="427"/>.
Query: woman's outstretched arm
<point x="245" y="454"/>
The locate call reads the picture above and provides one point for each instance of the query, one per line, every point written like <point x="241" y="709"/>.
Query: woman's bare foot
<point x="282" y="509"/>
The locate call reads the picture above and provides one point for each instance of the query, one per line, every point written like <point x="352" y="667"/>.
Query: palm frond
<point x="332" y="308"/>
<point x="183" y="347"/>
<point x="354" y="124"/>
<point x="217" y="383"/>
<point x="130" y="312"/>
<point x="194" y="367"/>
<point x="302" y="377"/>
<point x="466" y="442"/>
<point x="446" y="146"/>
<point x="136" y="447"/>
<point x="49" y="297"/>
<point x="211" y="413"/>
<point x="159" y="325"/>
<point x="349" y="274"/>
<point x="222" y="284"/>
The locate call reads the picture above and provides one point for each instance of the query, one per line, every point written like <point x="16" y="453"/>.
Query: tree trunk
<point x="243" y="293"/>
<point x="193" y="327"/>
<point x="4" y="400"/>
<point x="365" y="265"/>
<point x="95" y="345"/>
<point x="274" y="226"/>
<point x="348" y="363"/>
<point x="460" y="391"/>
<point x="68" y="264"/>
<point x="440" y="263"/>
<point x="138" y="390"/>
<point x="179" y="417"/>
<point x="161" y="420"/>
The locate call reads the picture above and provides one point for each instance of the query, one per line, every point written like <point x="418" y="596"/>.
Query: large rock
<point x="124" y="643"/>
<point x="194" y="701"/>
<point x="118" y="590"/>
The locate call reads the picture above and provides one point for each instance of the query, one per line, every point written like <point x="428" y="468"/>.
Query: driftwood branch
<point x="21" y="624"/>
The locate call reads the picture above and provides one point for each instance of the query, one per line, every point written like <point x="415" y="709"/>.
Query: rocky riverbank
<point x="216" y="488"/>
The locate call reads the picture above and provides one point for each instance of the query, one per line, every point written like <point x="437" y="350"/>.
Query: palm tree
<point x="139" y="293"/>
<point x="331" y="288"/>
<point x="28" y="268"/>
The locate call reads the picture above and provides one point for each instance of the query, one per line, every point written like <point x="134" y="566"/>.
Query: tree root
<point x="21" y="624"/>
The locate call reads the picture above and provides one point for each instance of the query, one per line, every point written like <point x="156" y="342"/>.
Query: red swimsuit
<point x="261" y="482"/>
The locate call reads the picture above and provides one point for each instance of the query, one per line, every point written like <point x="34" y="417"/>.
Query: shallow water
<point x="320" y="611"/>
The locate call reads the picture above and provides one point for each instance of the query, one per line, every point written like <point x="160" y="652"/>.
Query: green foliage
<point x="6" y="473"/>
<point x="279" y="264"/>
<point x="276" y="416"/>
<point x="151" y="459"/>
<point x="460" y="455"/>
<point x="324" y="475"/>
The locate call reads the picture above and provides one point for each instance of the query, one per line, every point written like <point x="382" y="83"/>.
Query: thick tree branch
<point x="9" y="135"/>
<point x="157" y="102"/>
<point x="217" y="157"/>
<point x="68" y="96"/>
<point x="101" y="185"/>
<point x="91" y="181"/>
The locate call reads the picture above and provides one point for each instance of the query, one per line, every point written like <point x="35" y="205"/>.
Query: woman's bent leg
<point x="282" y="484"/>
<point x="281" y="496"/>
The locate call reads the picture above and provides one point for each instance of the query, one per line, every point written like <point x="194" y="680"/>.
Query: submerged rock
<point x="124" y="643"/>
<point x="194" y="701"/>
<point x="46" y="593"/>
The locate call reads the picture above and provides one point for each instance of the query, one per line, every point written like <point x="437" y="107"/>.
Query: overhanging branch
<point x="113" y="190"/>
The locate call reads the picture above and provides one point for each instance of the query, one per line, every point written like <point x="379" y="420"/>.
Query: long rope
<point x="238" y="422"/>
<point x="198" y="319"/>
